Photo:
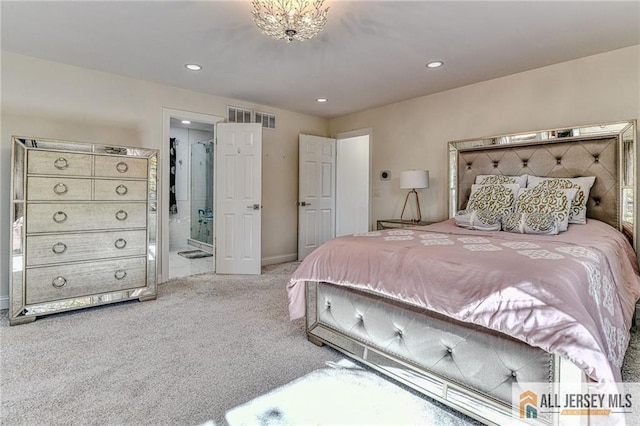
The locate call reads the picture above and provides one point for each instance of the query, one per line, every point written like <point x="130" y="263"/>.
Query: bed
<point x="473" y="317"/>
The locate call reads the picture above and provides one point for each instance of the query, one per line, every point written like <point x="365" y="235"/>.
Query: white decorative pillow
<point x="578" y="212"/>
<point x="530" y="223"/>
<point x="480" y="220"/>
<point x="501" y="180"/>
<point x="494" y="198"/>
<point x="547" y="200"/>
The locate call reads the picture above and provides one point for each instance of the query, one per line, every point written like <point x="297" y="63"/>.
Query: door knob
<point x="254" y="207"/>
<point x="303" y="204"/>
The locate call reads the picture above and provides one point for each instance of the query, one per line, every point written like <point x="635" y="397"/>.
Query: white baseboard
<point x="274" y="260"/>
<point x="4" y="302"/>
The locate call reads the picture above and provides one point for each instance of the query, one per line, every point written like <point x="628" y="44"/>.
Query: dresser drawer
<point x="125" y="190"/>
<point x="64" y="282"/>
<point x="59" y="163"/>
<point x="50" y="249"/>
<point x="58" y="188"/>
<point x="84" y="216"/>
<point x="121" y="167"/>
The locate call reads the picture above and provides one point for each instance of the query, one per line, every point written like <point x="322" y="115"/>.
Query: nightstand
<point x="399" y="223"/>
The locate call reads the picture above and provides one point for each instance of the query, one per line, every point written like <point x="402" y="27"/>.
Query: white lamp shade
<point x="414" y="179"/>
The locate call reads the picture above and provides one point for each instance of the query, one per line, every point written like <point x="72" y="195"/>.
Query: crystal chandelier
<point x="289" y="19"/>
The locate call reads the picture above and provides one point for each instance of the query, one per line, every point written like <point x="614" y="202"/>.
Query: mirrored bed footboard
<point x="430" y="352"/>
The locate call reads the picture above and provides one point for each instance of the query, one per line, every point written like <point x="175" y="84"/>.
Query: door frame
<point x="162" y="256"/>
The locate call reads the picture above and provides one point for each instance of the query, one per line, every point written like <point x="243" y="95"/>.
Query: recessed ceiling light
<point x="322" y="100"/>
<point x="186" y="122"/>
<point x="435" y="64"/>
<point x="193" y="67"/>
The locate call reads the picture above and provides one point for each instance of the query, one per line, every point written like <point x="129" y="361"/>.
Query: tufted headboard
<point x="593" y="156"/>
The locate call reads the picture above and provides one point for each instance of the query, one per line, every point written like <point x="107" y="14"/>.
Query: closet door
<point x="316" y="192"/>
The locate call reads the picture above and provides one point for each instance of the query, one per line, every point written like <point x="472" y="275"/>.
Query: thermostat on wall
<point x="385" y="175"/>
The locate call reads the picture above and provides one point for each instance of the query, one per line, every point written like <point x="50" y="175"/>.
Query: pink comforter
<point x="572" y="294"/>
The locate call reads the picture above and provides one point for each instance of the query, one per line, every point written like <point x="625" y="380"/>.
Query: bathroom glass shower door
<point x="202" y="192"/>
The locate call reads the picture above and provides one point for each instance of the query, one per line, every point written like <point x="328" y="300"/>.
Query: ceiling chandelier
<point x="289" y="19"/>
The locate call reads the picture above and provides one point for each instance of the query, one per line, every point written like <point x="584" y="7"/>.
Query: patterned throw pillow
<point x="578" y="212"/>
<point x="479" y="220"/>
<point x="530" y="223"/>
<point x="547" y="200"/>
<point x="494" y="198"/>
<point x="502" y="180"/>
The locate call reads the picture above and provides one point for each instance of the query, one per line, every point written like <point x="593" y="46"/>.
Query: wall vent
<point x="238" y="115"/>
<point x="268" y="120"/>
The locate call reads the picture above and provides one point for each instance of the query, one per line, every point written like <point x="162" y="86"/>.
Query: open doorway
<point x="188" y="231"/>
<point x="191" y="230"/>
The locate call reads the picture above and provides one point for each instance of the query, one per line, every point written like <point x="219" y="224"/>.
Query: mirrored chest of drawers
<point x="84" y="226"/>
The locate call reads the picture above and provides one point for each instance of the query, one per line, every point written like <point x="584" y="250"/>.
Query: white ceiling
<point x="370" y="53"/>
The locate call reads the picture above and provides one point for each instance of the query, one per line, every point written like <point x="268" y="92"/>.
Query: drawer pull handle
<point x="59" y="248"/>
<point x="58" y="282"/>
<point x="120" y="243"/>
<point x="61" y="163"/>
<point x="121" y="189"/>
<point x="61" y="189"/>
<point x="121" y="215"/>
<point x="122" y="167"/>
<point x="59" y="217"/>
<point x="120" y="274"/>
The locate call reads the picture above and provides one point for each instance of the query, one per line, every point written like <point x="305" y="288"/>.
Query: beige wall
<point x="52" y="100"/>
<point x="413" y="134"/>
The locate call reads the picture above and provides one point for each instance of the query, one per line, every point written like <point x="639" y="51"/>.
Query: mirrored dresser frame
<point x="624" y="131"/>
<point x="144" y="289"/>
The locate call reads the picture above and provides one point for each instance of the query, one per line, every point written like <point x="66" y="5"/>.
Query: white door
<point x="316" y="192"/>
<point x="238" y="198"/>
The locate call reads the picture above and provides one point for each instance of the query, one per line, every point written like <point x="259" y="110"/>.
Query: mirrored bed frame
<point x="435" y="351"/>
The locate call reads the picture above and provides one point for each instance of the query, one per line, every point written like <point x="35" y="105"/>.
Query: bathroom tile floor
<point x="182" y="267"/>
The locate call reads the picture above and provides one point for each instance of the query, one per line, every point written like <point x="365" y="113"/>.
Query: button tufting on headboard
<point x="557" y="158"/>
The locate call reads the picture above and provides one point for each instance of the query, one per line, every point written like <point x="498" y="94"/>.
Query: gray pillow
<point x="547" y="200"/>
<point x="578" y="213"/>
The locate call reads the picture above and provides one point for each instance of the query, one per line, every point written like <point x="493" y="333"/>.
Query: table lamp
<point x="413" y="179"/>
